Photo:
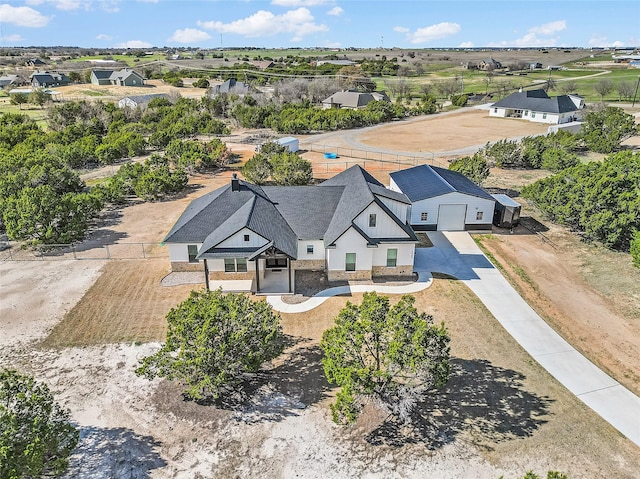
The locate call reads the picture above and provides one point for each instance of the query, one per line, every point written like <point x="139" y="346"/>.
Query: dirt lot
<point x="500" y="413"/>
<point x="111" y="92"/>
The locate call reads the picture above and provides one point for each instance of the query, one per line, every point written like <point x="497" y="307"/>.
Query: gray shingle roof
<point x="283" y="214"/>
<point x="537" y="100"/>
<point x="102" y="74"/>
<point x="355" y="99"/>
<point x="424" y="181"/>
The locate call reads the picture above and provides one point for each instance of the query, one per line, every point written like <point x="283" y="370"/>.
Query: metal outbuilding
<point x="507" y="211"/>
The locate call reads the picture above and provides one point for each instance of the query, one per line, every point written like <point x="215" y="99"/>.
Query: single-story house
<point x="9" y="81"/>
<point x="442" y="199"/>
<point x="489" y="64"/>
<point x="534" y="65"/>
<point x="139" y="100"/>
<point x="537" y="106"/>
<point x="353" y="99"/>
<point x="230" y="87"/>
<point x="351" y="227"/>
<point x="344" y="62"/>
<point x="47" y="79"/>
<point x="101" y="77"/>
<point x="34" y="62"/>
<point x="263" y="65"/>
<point x="124" y="77"/>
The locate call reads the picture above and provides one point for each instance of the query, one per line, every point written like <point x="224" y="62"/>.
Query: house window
<point x="350" y="262"/>
<point x="372" y="220"/>
<point x="192" y="251"/>
<point x="544" y="116"/>
<point x="526" y="113"/>
<point x="424" y="216"/>
<point x="392" y="257"/>
<point x="309" y="249"/>
<point x="479" y="215"/>
<point x="495" y="110"/>
<point x="533" y="114"/>
<point x="246" y="237"/>
<point x="235" y="265"/>
<point x="276" y="263"/>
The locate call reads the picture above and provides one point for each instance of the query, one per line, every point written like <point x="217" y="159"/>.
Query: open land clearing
<point x="500" y="413"/>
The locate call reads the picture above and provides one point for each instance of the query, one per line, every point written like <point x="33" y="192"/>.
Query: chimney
<point x="235" y="183"/>
<point x="520" y="89"/>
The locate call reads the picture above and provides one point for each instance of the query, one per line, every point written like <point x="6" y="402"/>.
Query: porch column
<point x="257" y="275"/>
<point x="206" y="275"/>
<point x="289" y="272"/>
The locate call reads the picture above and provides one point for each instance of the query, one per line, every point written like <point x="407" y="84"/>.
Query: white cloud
<point x="299" y="22"/>
<point x="133" y="44"/>
<point x="466" y="45"/>
<point x="434" y="32"/>
<point x="549" y="28"/>
<point x="602" y="41"/>
<point x="15" y="38"/>
<point x="148" y="1"/>
<point x="332" y="44"/>
<point x="300" y="3"/>
<point x="189" y="35"/>
<point x="401" y="29"/>
<point x="104" y="36"/>
<point x="537" y="36"/>
<point x="109" y="6"/>
<point x="335" y="11"/>
<point x="23" y="16"/>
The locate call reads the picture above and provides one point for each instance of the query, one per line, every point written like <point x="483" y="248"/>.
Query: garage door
<point x="451" y="217"/>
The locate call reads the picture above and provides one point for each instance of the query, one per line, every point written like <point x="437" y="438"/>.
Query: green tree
<point x="603" y="131"/>
<point x="556" y="159"/>
<point x="392" y="355"/>
<point x="19" y="99"/>
<point x="257" y="169"/>
<point x="39" y="97"/>
<point x="291" y="169"/>
<point x="201" y="83"/>
<point x="213" y="341"/>
<point x="473" y="167"/>
<point x="505" y="154"/>
<point x="36" y="436"/>
<point x="635" y="249"/>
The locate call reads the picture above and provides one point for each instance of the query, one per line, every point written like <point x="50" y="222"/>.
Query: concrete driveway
<point x="456" y="254"/>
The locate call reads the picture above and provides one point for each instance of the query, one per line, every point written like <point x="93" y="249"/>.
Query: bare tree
<point x="568" y="86"/>
<point x="626" y="90"/>
<point x="603" y="88"/>
<point x="449" y="87"/>
<point x="426" y="88"/>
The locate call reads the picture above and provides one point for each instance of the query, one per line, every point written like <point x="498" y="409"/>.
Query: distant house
<point x="40" y="79"/>
<point x="139" y="100"/>
<point x="124" y="77"/>
<point x="443" y="199"/>
<point x="534" y="65"/>
<point x="9" y="81"/>
<point x="344" y="62"/>
<point x="263" y="65"/>
<point x="353" y="99"/>
<point x="350" y="226"/>
<point x="230" y="87"/>
<point x="34" y="62"/>
<point x="537" y="106"/>
<point x="489" y="64"/>
<point x="470" y="65"/>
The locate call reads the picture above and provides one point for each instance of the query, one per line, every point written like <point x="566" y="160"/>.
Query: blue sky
<point x="323" y="23"/>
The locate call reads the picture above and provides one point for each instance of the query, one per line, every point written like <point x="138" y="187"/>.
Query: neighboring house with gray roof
<point x="124" y="77"/>
<point x="10" y="81"/>
<point x="442" y="199"/>
<point x="230" y="87"/>
<point x="48" y="79"/>
<point x="139" y="100"/>
<point x="350" y="226"/>
<point x="353" y="99"/>
<point x="537" y="106"/>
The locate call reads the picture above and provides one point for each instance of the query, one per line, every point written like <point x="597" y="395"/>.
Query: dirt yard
<point x="111" y="92"/>
<point x="82" y="327"/>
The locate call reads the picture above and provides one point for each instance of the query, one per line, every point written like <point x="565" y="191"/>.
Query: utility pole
<point x="635" y="93"/>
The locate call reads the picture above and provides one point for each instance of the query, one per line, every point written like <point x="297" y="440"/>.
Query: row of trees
<point x="600" y="200"/>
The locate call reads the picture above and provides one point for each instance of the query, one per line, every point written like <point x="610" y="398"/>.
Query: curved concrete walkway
<point x="456" y="253"/>
<point x="423" y="282"/>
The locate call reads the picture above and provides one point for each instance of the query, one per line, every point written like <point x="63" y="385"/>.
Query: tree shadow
<point x="296" y="382"/>
<point x="481" y="401"/>
<point x="114" y="452"/>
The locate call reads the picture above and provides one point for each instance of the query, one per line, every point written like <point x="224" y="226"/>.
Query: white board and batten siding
<point x="431" y="206"/>
<point x="350" y="242"/>
<point x="385" y="226"/>
<point x="401" y="210"/>
<point x="405" y="253"/>
<point x="237" y="240"/>
<point x="179" y="252"/>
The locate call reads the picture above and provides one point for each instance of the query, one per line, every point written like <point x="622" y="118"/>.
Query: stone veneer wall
<point x="405" y="270"/>
<point x="312" y="264"/>
<point x="180" y="266"/>
<point x="335" y="275"/>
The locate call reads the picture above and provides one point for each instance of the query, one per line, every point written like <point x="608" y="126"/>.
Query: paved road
<point x="456" y="253"/>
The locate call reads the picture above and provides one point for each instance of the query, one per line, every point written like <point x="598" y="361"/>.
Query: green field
<point x="128" y="59"/>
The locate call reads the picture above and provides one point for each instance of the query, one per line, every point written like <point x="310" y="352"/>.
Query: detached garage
<point x="443" y="200"/>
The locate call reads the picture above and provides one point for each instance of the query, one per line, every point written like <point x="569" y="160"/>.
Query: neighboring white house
<point x="537" y="106"/>
<point x="443" y="199"/>
<point x="135" y="101"/>
<point x="352" y="99"/>
<point x="350" y="226"/>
